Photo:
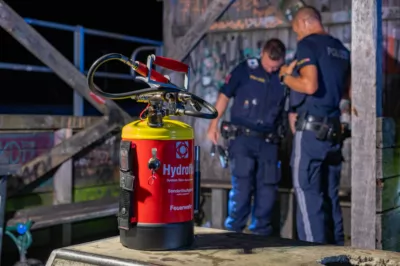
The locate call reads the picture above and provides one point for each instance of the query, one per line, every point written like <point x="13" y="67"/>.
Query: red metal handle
<point x="171" y="64"/>
<point x="144" y="71"/>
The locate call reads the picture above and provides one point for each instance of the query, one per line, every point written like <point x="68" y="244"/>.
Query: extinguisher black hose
<point x="115" y="96"/>
<point x="214" y="112"/>
<point x="197" y="180"/>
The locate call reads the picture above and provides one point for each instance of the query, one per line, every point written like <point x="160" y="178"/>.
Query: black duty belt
<point x="325" y="128"/>
<point x="312" y="126"/>
<point x="318" y="120"/>
<point x="229" y="130"/>
<point x="250" y="133"/>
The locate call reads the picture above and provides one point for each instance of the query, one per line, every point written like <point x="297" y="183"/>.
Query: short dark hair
<point x="275" y="49"/>
<point x="310" y="11"/>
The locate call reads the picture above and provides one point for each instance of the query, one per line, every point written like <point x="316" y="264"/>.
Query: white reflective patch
<point x="252" y="63"/>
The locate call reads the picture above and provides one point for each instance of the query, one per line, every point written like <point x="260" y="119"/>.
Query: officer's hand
<point x="213" y="134"/>
<point x="291" y="66"/>
<point x="287" y="69"/>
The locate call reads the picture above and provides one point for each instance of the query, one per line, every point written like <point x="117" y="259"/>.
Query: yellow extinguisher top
<point x="172" y="129"/>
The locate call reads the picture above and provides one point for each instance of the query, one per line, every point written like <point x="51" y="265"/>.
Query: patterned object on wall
<point x="98" y="166"/>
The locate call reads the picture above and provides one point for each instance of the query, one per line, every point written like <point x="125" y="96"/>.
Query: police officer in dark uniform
<point x="255" y="86"/>
<point x="318" y="80"/>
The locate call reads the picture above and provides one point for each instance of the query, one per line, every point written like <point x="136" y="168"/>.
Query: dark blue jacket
<point x="332" y="60"/>
<point x="257" y="96"/>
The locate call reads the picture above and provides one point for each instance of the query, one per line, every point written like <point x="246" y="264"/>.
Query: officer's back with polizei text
<point x="332" y="59"/>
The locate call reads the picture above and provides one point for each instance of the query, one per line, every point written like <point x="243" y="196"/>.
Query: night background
<point x="24" y="91"/>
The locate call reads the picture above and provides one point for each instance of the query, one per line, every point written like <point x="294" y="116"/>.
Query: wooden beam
<point x="43" y="164"/>
<point x="45" y="122"/>
<point x="273" y="21"/>
<point x="3" y="199"/>
<point x="63" y="184"/>
<point x="366" y="58"/>
<point x="15" y="25"/>
<point x="187" y="43"/>
<point x="168" y="18"/>
<point x="48" y="216"/>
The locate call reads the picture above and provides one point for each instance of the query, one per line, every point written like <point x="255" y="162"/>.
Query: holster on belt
<point x="325" y="129"/>
<point x="228" y="130"/>
<point x="127" y="182"/>
<point x="346" y="131"/>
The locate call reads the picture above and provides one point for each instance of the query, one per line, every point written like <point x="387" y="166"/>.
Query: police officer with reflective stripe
<point x="255" y="86"/>
<point x="318" y="80"/>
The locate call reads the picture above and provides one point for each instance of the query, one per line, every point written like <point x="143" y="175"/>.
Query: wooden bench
<point x="48" y="216"/>
<point x="219" y="206"/>
<point x="286" y="208"/>
<point x="64" y="215"/>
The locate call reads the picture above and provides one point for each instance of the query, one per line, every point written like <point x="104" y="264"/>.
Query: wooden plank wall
<point x="241" y="31"/>
<point x="231" y="39"/>
<point x="95" y="171"/>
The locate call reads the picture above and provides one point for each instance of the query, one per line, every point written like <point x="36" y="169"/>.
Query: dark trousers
<point x="255" y="171"/>
<point x="316" y="167"/>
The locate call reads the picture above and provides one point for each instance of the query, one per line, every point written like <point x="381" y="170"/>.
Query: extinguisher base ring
<point x="158" y="237"/>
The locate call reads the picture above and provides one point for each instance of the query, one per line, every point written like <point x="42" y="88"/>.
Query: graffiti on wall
<point x="391" y="68"/>
<point x="253" y="8"/>
<point x="215" y="58"/>
<point x="243" y="14"/>
<point x="17" y="149"/>
<point x="98" y="166"/>
<point x="268" y="22"/>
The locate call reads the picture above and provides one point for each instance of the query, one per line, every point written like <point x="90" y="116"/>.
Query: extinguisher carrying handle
<point x="170" y="64"/>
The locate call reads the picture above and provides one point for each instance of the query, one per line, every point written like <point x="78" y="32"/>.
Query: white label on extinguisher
<point x="180" y="192"/>
<point x="172" y="171"/>
<point x="180" y="208"/>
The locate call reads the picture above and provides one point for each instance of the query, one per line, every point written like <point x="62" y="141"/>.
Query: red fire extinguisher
<point x="159" y="164"/>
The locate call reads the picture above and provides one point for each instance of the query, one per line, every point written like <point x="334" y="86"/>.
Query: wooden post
<point x="3" y="197"/>
<point x="45" y="122"/>
<point x="168" y="18"/>
<point x="366" y="58"/>
<point x="63" y="184"/>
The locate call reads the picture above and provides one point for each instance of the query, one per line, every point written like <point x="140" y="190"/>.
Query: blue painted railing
<point x="79" y="53"/>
